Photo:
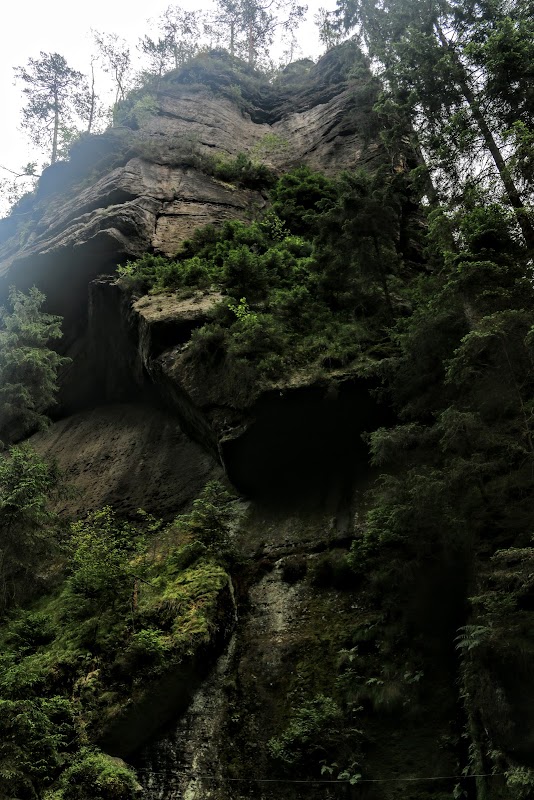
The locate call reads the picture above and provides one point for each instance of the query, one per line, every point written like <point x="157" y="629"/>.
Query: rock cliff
<point x="139" y="425"/>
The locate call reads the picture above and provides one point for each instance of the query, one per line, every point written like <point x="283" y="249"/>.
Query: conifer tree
<point x="251" y="25"/>
<point x="52" y="90"/>
<point x="28" y="367"/>
<point x="426" y="52"/>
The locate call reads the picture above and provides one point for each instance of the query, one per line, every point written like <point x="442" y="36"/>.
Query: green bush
<point x="241" y="170"/>
<point x="146" y="647"/>
<point x="312" y="729"/>
<point x="103" y="547"/>
<point x="313" y="280"/>
<point x="96" y="776"/>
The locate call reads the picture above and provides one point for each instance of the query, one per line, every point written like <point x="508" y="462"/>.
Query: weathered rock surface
<point x="144" y="426"/>
<point x="129" y="457"/>
<point x="297" y="442"/>
<point x="296" y="622"/>
<point x="147" y="190"/>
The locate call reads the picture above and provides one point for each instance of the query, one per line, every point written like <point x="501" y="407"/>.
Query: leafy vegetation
<point x="432" y="303"/>
<point x="29" y="529"/>
<point x="311" y="732"/>
<point x="138" y="598"/>
<point x="28" y="367"/>
<point x="299" y="294"/>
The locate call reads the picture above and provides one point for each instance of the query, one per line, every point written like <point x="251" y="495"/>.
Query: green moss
<point x="142" y="597"/>
<point x="95" y="776"/>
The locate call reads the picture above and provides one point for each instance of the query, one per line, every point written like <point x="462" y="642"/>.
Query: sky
<point x="61" y="26"/>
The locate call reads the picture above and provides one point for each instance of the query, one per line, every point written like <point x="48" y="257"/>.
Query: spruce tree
<point x="28" y="366"/>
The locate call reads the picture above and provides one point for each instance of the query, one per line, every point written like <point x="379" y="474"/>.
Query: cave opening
<point x="304" y="444"/>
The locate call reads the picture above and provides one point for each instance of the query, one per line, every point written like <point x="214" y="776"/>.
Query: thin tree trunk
<point x="56" y="130"/>
<point x="93" y="100"/>
<point x="251" y="44"/>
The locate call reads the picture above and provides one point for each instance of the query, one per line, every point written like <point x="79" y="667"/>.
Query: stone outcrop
<point x="129" y="456"/>
<point x="141" y="187"/>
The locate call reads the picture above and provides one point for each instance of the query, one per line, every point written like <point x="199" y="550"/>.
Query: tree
<point x="16" y="184"/>
<point x="180" y="29"/>
<point x="27" y="483"/>
<point x="103" y="548"/>
<point x="116" y="58"/>
<point x="426" y="53"/>
<point x="178" y="40"/>
<point x="88" y="103"/>
<point x="252" y="24"/>
<point x="461" y="380"/>
<point x="330" y="30"/>
<point x="52" y="91"/>
<point x="158" y="56"/>
<point x="36" y="737"/>
<point x="28" y="367"/>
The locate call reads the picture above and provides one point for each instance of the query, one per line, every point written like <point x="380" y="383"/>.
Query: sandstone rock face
<point x="132" y="191"/>
<point x="128" y="456"/>
<point x="140" y="426"/>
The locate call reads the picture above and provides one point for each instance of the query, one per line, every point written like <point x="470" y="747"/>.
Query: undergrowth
<point x="139" y="598"/>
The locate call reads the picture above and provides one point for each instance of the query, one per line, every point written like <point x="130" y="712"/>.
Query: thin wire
<point x="318" y="781"/>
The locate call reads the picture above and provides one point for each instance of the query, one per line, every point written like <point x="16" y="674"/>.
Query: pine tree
<point x="251" y="25"/>
<point x="52" y="90"/>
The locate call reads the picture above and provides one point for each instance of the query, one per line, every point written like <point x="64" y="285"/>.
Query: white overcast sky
<point x="63" y="26"/>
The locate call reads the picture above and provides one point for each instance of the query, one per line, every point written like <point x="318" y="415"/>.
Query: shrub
<point x="96" y="776"/>
<point x="211" y="518"/>
<point x="149" y="272"/>
<point x="102" y="549"/>
<point x="241" y="170"/>
<point x="312" y="729"/>
<point x="147" y="647"/>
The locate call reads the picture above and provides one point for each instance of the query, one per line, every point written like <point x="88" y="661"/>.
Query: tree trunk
<point x="232" y="38"/>
<point x="93" y="100"/>
<point x="53" y="158"/>
<point x="251" y="58"/>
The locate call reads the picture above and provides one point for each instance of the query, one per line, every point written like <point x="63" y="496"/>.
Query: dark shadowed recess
<point x="304" y="444"/>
